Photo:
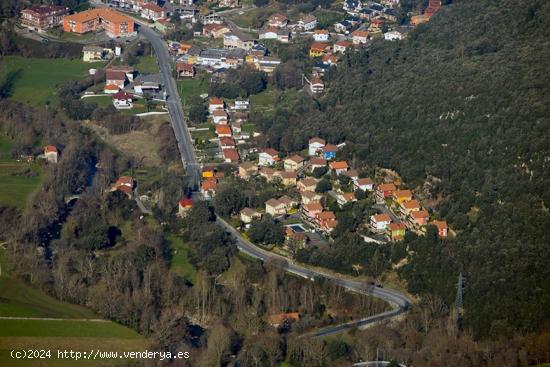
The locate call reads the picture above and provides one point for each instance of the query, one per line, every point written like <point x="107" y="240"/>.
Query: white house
<point x="307" y="23"/>
<point x="275" y="207"/>
<point x="215" y="104"/>
<point x="315" y="145"/>
<point x="393" y="35"/>
<point x="219" y="117"/>
<point x="365" y="184"/>
<point x="380" y="221"/>
<point x="320" y="35"/>
<point x="122" y="100"/>
<point x="268" y="157"/>
<point x="51" y="153"/>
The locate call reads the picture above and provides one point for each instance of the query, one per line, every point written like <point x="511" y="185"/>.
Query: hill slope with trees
<point x="464" y="104"/>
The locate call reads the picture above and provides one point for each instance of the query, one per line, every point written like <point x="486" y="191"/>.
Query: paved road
<point x="398" y="301"/>
<point x="185" y="142"/>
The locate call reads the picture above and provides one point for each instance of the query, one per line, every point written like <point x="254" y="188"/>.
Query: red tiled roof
<point x="50" y="149"/>
<point x="152" y="7"/>
<point x="330" y="148"/>
<point x="397" y="226"/>
<point x="387" y="187"/>
<point x="216" y="101"/>
<point x="223" y="130"/>
<point x="339" y="165"/>
<point x="115" y="75"/>
<point x="231" y="154"/>
<point x="272" y="152"/>
<point x="364" y="181"/>
<point x="185" y="203"/>
<point x="111" y="87"/>
<point x="382" y="218"/>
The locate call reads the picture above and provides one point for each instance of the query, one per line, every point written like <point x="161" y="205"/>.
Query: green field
<point x="73" y="332"/>
<point x="147" y="65"/>
<point x="192" y="87"/>
<point x="180" y="261"/>
<point x="101" y="101"/>
<point x="38" y="79"/>
<point x="17" y="179"/>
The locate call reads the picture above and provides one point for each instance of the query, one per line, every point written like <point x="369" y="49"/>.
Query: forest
<point x="461" y="111"/>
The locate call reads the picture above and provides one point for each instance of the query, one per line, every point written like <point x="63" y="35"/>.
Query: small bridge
<point x="71" y="198"/>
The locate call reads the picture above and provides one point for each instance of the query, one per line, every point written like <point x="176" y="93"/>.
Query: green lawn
<point x="101" y="101"/>
<point x="20" y="300"/>
<point x="147" y="65"/>
<point x="180" y="261"/>
<point x="38" y="79"/>
<point x="192" y="87"/>
<point x="17" y="179"/>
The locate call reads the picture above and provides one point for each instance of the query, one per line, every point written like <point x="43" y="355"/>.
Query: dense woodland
<point x="461" y="111"/>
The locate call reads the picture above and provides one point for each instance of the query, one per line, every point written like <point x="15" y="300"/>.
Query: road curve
<point x="185" y="142"/>
<point x="400" y="303"/>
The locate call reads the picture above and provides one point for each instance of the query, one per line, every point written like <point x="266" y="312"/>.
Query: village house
<point x="419" y="218"/>
<point x="237" y="129"/>
<point x="384" y="191"/>
<point x="51" y="154"/>
<point x="227" y="143"/>
<point x="92" y="53"/>
<point x="185" y="70"/>
<point x="238" y="40"/>
<point x="127" y="70"/>
<point x="215" y="104"/>
<point x="326" y="221"/>
<point x="365" y="184"/>
<point x="152" y="11"/>
<point x="396" y="231"/>
<point x="116" y="78"/>
<point x="330" y="59"/>
<point x="419" y="19"/>
<point x="215" y="30"/>
<point x="289" y="202"/>
<point x="309" y="197"/>
<point x="209" y="188"/>
<point x="231" y="155"/>
<point x="208" y="172"/>
<point x="282" y="318"/>
<point x="266" y="64"/>
<point x="379" y="222"/>
<point x="280" y="34"/>
<point x="317" y="49"/>
<point x="442" y="228"/>
<point x="111" y="89"/>
<point x="409" y="206"/>
<point x="275" y="208"/>
<point x="320" y="35"/>
<point x="342" y="27"/>
<point x="400" y="196"/>
<point x="316" y="85"/>
<point x="249" y="214"/>
<point x="307" y="23"/>
<point x="342" y="198"/>
<point x="433" y="7"/>
<point x="125" y="184"/>
<point x="288" y="178"/>
<point x="247" y="170"/>
<point x="339" y="167"/>
<point x="43" y="17"/>
<point x="399" y="33"/>
<point x="268" y="157"/>
<point x="267" y="173"/>
<point x="223" y="130"/>
<point x="293" y="163"/>
<point x="376" y="24"/>
<point x="316" y="162"/>
<point x="184" y="205"/>
<point x="277" y="20"/>
<point x="352" y="174"/>
<point x="342" y="46"/>
<point x="307" y="184"/>
<point x="291" y="234"/>
<point x="228" y="3"/>
<point x="219" y="117"/>
<point x="359" y="37"/>
<point x="329" y="151"/>
<point x="122" y="100"/>
<point x="310" y="211"/>
<point x="315" y="146"/>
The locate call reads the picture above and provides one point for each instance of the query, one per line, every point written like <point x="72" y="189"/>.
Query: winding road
<point x="400" y="303"/>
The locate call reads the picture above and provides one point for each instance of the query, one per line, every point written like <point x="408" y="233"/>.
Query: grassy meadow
<point x="37" y="79"/>
<point x="17" y="179"/>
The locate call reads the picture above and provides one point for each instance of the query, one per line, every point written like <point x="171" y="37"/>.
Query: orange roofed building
<point x="114" y="23"/>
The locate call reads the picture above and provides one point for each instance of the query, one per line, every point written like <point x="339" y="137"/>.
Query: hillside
<point x="465" y="103"/>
